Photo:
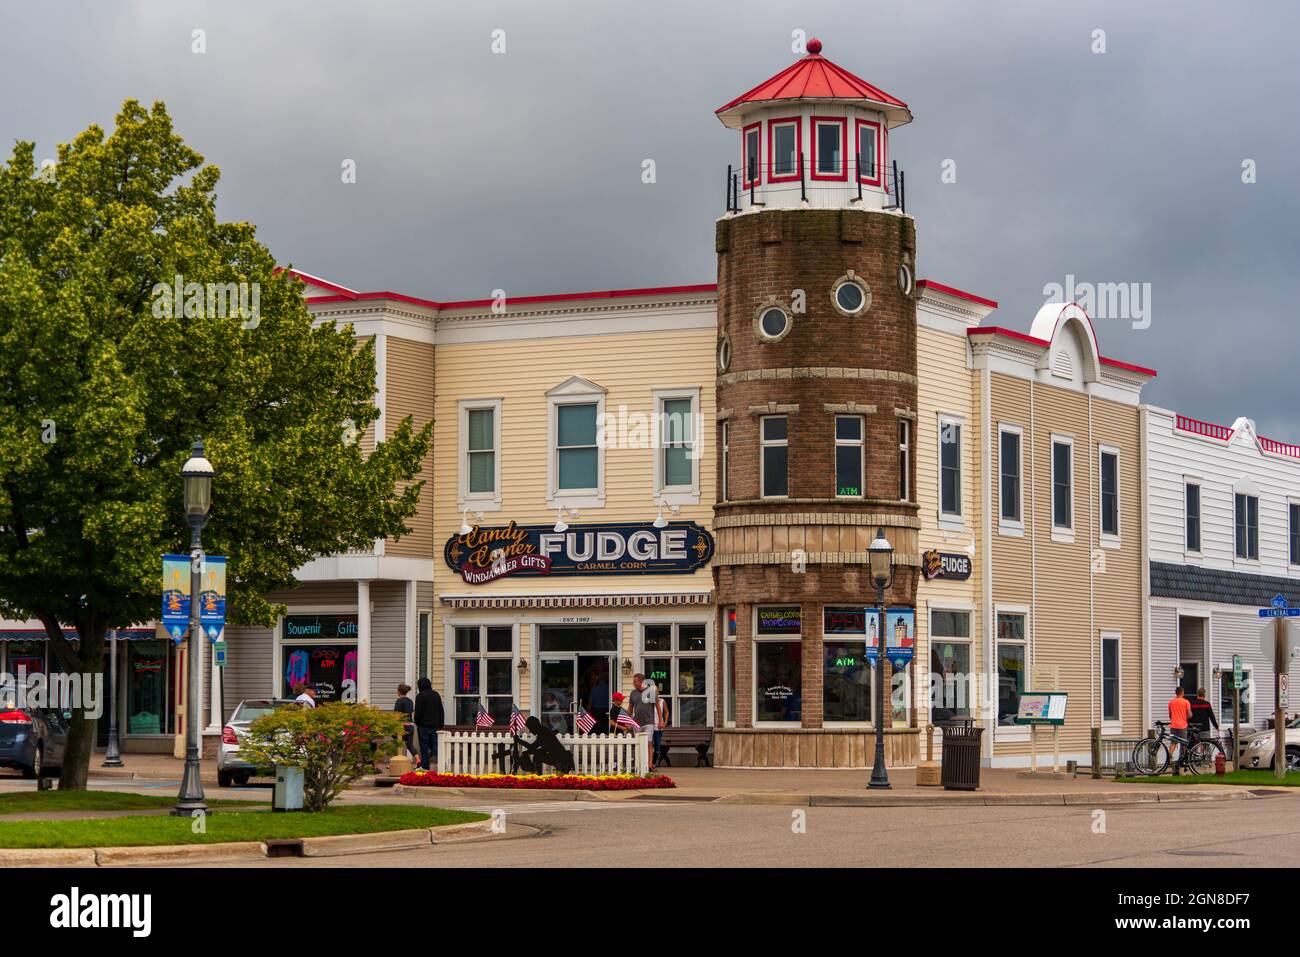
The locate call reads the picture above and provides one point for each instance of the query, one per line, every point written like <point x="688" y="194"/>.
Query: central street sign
<point x="1279" y="609"/>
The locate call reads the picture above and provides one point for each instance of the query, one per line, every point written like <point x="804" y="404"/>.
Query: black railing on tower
<point x="755" y="180"/>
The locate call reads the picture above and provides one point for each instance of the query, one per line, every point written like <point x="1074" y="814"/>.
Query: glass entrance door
<point x="558" y="687"/>
<point x="569" y="681"/>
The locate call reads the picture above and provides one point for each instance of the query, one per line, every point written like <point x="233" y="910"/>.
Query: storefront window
<point x="1011" y="665"/>
<point x="729" y="664"/>
<point x="675" y="660"/>
<point x="28" y="656"/>
<point x="483" y="672"/>
<point x="320" y="651"/>
<point x="847" y="674"/>
<point x="148" y="697"/>
<point x="778" y="681"/>
<point x="952" y="682"/>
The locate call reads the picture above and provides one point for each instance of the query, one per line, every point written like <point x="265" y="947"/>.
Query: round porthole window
<point x="851" y="297"/>
<point x="724" y="353"/>
<point x="905" y="279"/>
<point x="773" y="323"/>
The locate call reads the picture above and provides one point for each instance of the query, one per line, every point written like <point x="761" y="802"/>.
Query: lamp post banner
<point x="212" y="596"/>
<point x="487" y="553"/>
<point x="176" y="596"/>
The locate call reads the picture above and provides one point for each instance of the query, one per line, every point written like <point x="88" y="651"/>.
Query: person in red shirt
<point x="1180" y="712"/>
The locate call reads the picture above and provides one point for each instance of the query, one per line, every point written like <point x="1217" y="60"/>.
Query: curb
<point x="1072" y="799"/>
<point x="180" y="853"/>
<point x="47" y="857"/>
<point x="334" y="845"/>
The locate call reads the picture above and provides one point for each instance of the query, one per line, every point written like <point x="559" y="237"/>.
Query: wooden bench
<point x="698" y="738"/>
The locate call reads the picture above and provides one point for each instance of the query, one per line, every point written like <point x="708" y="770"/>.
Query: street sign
<point x="219" y="654"/>
<point x="1236" y="671"/>
<point x="1278" y="608"/>
<point x="1281" y="690"/>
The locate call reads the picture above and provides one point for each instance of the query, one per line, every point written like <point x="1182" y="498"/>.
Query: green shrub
<point x="333" y="743"/>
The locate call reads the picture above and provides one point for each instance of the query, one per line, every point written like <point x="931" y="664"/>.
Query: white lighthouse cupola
<point x="814" y="135"/>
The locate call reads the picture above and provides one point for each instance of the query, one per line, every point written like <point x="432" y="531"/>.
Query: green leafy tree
<point x="106" y="378"/>
<point x="333" y="743"/>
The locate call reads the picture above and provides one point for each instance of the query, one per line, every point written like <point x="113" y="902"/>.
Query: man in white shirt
<point x="306" y="697"/>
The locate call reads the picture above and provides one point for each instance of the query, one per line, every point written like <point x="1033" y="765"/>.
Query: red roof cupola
<point x="815" y="79"/>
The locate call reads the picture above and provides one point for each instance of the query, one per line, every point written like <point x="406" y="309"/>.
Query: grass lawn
<point x="34" y="802"/>
<point x="1253" y="778"/>
<point x="224" y="827"/>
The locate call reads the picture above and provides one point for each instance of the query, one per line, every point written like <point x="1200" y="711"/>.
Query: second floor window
<point x="950" y="467"/>
<point x="1062" y="485"/>
<point x="1192" y="515"/>
<point x="480" y="451"/>
<point x="775" y="462"/>
<point x="577" y="455"/>
<point x="1009" y="475"/>
<point x="1294" y="510"/>
<point x="677" y="436"/>
<point x="1109" y="493"/>
<point x="848" y="457"/>
<point x="726" y="460"/>
<point x="904" y="460"/>
<point x="1247" y="526"/>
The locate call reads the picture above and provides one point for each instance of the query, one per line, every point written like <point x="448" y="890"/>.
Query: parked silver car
<point x="1258" y="750"/>
<point x="231" y="768"/>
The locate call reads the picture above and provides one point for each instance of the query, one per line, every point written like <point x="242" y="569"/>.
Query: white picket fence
<point x="464" y="752"/>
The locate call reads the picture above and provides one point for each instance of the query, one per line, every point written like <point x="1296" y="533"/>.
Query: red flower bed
<point x="536" y="782"/>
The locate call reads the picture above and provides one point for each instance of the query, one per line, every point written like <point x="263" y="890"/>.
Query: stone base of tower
<point x="812" y="747"/>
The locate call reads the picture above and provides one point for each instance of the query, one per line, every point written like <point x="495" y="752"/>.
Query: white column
<point x="363" y="640"/>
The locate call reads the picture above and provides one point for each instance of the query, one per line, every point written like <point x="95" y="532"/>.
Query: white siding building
<point x="1222" y="515"/>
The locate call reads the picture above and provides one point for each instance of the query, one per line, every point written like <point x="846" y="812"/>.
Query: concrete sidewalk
<point x="795" y="786"/>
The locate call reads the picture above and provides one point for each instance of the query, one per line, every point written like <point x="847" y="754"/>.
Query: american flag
<point x="483" y="719"/>
<point x="585" y="721"/>
<point x="625" y="720"/>
<point x="516" y="720"/>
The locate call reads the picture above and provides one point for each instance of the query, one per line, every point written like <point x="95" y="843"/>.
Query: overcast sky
<point x="522" y="170"/>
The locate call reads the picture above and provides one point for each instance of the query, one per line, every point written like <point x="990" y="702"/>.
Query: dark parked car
<point x="32" y="739"/>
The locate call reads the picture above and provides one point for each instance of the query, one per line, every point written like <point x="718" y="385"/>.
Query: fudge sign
<point x="625" y="548"/>
<point x="937" y="564"/>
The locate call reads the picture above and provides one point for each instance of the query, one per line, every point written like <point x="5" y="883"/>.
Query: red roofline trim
<point x="517" y="300"/>
<point x="1023" y="337"/>
<point x="953" y="291"/>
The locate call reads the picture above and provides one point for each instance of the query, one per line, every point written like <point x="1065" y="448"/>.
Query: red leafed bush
<point x="538" y="782"/>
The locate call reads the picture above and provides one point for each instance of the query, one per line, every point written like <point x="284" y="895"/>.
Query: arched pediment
<point x="1072" y="342"/>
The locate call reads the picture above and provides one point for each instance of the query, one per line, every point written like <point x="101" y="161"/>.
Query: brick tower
<point x="817" y="398"/>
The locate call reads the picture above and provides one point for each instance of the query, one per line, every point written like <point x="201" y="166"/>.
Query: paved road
<point x="1257" y="833"/>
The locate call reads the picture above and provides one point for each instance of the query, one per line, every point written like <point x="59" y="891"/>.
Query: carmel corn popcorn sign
<point x="625" y="548"/>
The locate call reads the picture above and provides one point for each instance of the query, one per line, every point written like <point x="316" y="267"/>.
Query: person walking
<point x="644" y="705"/>
<point x="1180" y="713"/>
<point x="1202" y="715"/>
<point x="306" y="696"/>
<point x="428" y="717"/>
<point x="406" y="708"/>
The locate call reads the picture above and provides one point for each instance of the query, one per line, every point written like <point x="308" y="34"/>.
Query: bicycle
<point x="1195" y="754"/>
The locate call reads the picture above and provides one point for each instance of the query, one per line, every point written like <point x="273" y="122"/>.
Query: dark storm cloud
<point x="522" y="171"/>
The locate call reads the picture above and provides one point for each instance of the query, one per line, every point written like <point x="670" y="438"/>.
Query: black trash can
<point x="960" y="770"/>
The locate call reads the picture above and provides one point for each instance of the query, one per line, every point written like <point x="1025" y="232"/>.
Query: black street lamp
<point x="197" y="476"/>
<point x="881" y="562"/>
